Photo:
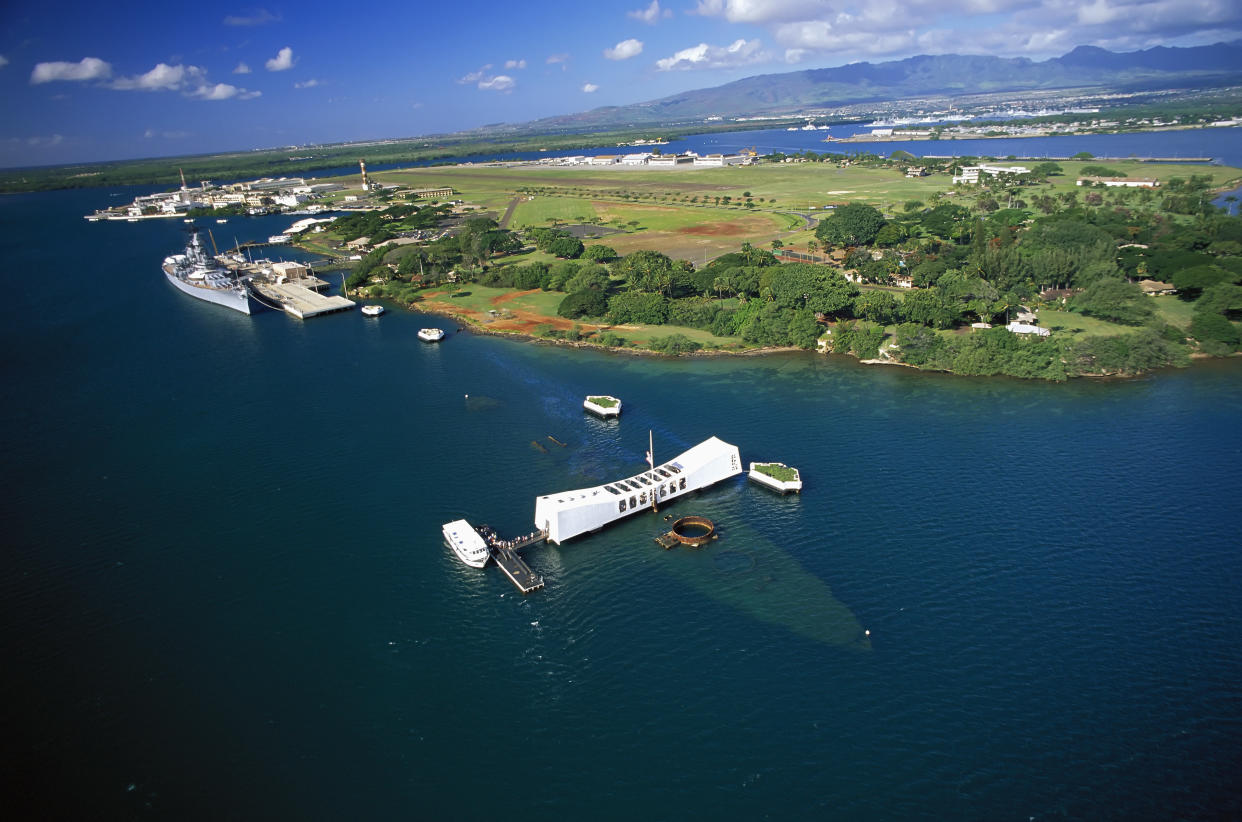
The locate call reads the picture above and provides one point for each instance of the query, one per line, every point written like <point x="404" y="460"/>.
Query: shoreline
<point x="468" y="325"/>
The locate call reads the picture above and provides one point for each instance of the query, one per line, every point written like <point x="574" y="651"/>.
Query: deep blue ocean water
<point x="225" y="594"/>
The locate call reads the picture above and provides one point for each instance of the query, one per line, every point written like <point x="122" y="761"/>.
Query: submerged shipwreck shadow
<point x="749" y="572"/>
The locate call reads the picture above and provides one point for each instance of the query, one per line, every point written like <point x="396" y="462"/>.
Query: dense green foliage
<point x="583" y="304"/>
<point x="1115" y="300"/>
<point x="853" y="224"/>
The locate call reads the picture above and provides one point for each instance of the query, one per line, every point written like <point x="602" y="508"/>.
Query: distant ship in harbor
<point x="197" y="274"/>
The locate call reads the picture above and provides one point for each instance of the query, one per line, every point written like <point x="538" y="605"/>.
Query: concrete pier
<point x="300" y="301"/>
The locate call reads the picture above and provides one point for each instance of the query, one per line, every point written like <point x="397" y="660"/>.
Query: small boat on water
<point x="431" y="334"/>
<point x="373" y="310"/>
<point x="221" y="222"/>
<point x="188" y="220"/>
<point x="466" y="543"/>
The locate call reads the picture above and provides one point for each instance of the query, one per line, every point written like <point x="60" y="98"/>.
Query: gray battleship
<point x="198" y="275"/>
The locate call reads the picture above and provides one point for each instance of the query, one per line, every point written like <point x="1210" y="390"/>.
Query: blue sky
<point x="96" y="81"/>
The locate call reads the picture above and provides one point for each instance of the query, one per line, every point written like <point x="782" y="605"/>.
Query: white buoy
<point x="868" y="633"/>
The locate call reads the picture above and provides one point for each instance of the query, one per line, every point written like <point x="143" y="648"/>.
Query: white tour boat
<point x="466" y="543"/>
<point x="373" y="310"/>
<point x="430" y="334"/>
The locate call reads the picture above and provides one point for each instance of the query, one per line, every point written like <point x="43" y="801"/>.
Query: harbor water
<point x="226" y="596"/>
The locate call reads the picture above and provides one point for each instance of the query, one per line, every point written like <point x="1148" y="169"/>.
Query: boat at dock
<point x="466" y="543"/>
<point x="431" y="334"/>
<point x="199" y="275"/>
<point x="572" y="513"/>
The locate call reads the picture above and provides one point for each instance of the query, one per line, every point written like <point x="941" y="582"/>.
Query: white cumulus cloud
<point x="767" y="11"/>
<point x="283" y="60"/>
<point x="257" y="17"/>
<point x="625" y="50"/>
<point x="703" y="56"/>
<point x="311" y="83"/>
<point x="222" y="91"/>
<point x="50" y="140"/>
<point x="500" y="82"/>
<point x="651" y="14"/>
<point x="474" y="76"/>
<point x="242" y="68"/>
<point x="88" y="68"/>
<point x="590" y="88"/>
<point x="515" y="64"/>
<point x="4" y="61"/>
<point x="844" y="32"/>
<point x="161" y="78"/>
<point x="557" y="58"/>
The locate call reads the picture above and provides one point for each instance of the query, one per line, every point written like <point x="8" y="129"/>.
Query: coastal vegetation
<point x="846" y="253"/>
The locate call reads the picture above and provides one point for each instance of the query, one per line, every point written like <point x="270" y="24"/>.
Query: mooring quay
<point x="505" y="553"/>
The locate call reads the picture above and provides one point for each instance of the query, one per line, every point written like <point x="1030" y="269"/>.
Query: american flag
<point x="649" y="462"/>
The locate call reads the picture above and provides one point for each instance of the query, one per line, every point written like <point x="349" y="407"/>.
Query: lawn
<point x="1080" y="324"/>
<point x="541" y="210"/>
<point x="1173" y="310"/>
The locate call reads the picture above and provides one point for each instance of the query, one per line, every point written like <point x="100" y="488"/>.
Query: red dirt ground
<point x="714" y="230"/>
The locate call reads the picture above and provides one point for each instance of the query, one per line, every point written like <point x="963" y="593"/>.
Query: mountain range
<point x="942" y="75"/>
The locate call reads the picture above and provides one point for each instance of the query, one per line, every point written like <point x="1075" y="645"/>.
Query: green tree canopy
<point x="646" y="271"/>
<point x="1115" y="300"/>
<point x="583" y="304"/>
<point x="814" y="287"/>
<point x="599" y="253"/>
<point x="853" y="224"/>
<point x="565" y="247"/>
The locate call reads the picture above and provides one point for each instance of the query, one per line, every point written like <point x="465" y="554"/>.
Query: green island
<point x="1046" y="270"/>
<point x="776" y="471"/>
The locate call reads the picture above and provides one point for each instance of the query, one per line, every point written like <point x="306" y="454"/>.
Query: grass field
<point x="1080" y="325"/>
<point x="1174" y="311"/>
<point x="682" y="212"/>
<point x="539" y="211"/>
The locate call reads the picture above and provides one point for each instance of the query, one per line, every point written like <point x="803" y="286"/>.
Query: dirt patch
<point x="714" y="230"/>
<point x="501" y="299"/>
<point x="517" y="320"/>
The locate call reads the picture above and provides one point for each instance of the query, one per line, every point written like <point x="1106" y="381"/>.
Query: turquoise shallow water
<point x="225" y="594"/>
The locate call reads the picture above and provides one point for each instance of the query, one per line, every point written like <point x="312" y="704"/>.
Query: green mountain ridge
<point x="924" y="75"/>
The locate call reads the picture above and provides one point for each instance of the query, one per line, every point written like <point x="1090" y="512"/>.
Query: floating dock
<point x="505" y="552"/>
<point x="518" y="572"/>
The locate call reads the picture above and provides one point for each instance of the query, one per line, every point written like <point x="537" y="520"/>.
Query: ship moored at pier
<point x="202" y="277"/>
<point x="572" y="513"/>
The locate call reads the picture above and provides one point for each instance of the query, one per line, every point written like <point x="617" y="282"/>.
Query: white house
<point x="1120" y="182"/>
<point x="971" y="174"/>
<point x="1023" y="328"/>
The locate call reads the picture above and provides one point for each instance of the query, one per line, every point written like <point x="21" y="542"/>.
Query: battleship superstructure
<point x="198" y="275"/>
